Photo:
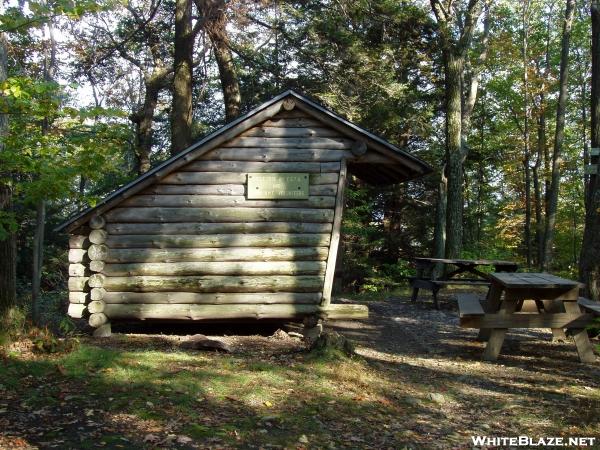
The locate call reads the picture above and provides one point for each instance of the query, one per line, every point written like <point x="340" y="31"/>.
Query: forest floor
<point x="416" y="382"/>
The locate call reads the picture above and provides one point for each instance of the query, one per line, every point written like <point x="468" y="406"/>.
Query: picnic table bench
<point x="558" y="307"/>
<point x="426" y="277"/>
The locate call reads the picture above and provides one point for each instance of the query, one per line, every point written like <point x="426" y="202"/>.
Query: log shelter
<point x="242" y="225"/>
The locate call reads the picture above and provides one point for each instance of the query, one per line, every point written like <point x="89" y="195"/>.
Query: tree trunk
<point x="454" y="159"/>
<point x="589" y="263"/>
<point x="551" y="207"/>
<point x="181" y="113"/>
<point x="537" y="186"/>
<point x="38" y="259"/>
<point x="8" y="253"/>
<point x="143" y="120"/>
<point x="217" y="32"/>
<point x="38" y="239"/>
<point x="526" y="148"/>
<point x="439" y="242"/>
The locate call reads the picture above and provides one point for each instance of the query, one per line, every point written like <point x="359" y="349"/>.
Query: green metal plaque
<point x="273" y="186"/>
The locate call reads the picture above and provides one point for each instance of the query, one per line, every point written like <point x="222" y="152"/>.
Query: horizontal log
<point x="78" y="241"/>
<point x="224" y="189"/>
<point x="97" y="293"/>
<point x="291" y="132"/>
<point x="215" y="283"/>
<point x="300" y="122"/>
<point x="254" y="166"/>
<point x="218" y="240"/>
<point x="196" y="189"/>
<point x="78" y="297"/>
<point x="527" y="320"/>
<point x="76" y="310"/>
<point x="343" y="311"/>
<point x="78" y="270"/>
<point x="222" y="201"/>
<point x="97" y="252"/>
<point x="98" y="236"/>
<point x="216" y="228"/>
<point x="163" y="215"/>
<point x="330" y="143"/>
<point x="95" y="307"/>
<point x="97" y="222"/>
<point x="78" y="255"/>
<point x="97" y="320"/>
<point x="217" y="268"/>
<point x="217" y="254"/>
<point x="208" y="312"/>
<point x="213" y="298"/>
<point x="278" y="154"/>
<point x="233" y="178"/>
<point x="78" y="284"/>
<point x="97" y="280"/>
<point x="96" y="266"/>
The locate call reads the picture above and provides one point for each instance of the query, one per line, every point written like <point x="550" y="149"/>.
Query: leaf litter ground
<point x="417" y="382"/>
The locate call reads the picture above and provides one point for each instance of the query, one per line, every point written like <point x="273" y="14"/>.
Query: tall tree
<point x="215" y="25"/>
<point x="589" y="266"/>
<point x="559" y="134"/>
<point x="8" y="256"/>
<point x="526" y="141"/>
<point x="455" y="35"/>
<point x="181" y="111"/>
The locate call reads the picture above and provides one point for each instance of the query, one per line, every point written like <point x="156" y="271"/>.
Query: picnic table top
<point x="513" y="280"/>
<point x="477" y="262"/>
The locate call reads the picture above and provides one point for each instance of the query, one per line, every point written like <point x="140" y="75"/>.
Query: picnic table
<point x="426" y="277"/>
<point x="557" y="306"/>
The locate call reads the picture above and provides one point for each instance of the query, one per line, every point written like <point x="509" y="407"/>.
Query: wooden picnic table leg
<point x="415" y="291"/>
<point x="492" y="304"/>
<point x="497" y="335"/>
<point x="580" y="336"/>
<point x="555" y="306"/>
<point x="434" y="291"/>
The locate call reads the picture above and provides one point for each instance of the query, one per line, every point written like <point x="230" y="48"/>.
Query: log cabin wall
<point x="192" y="246"/>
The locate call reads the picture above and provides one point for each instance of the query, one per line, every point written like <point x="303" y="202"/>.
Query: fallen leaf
<point x="151" y="438"/>
<point x="184" y="439"/>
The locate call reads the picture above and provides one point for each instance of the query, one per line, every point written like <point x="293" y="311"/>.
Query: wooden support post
<point x="313" y="327"/>
<point x="335" y="235"/>
<point x="491" y="305"/>
<point x="555" y="306"/>
<point x="497" y="335"/>
<point x="580" y="336"/>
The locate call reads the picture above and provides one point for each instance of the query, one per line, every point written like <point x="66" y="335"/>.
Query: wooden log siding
<point x="208" y="312"/>
<point x="163" y="215"/>
<point x="218" y="240"/>
<point x="278" y="154"/>
<point x="225" y="189"/>
<point x="234" y="178"/>
<point x="293" y="132"/>
<point x="216" y="298"/>
<point x="261" y="142"/>
<point x="78" y="275"/>
<point x="215" y="283"/>
<point x="218" y="268"/>
<point x="216" y="254"/>
<point x="253" y="166"/>
<point x="216" y="201"/>
<point x="215" y="228"/>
